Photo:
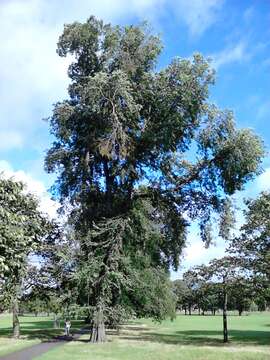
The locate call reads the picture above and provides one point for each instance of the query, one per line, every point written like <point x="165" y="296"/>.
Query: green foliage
<point x="203" y="287"/>
<point x="122" y="153"/>
<point x="21" y="226"/>
<point x="253" y="244"/>
<point x="227" y="220"/>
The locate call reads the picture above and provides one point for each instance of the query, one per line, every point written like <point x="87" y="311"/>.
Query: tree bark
<point x="15" y="320"/>
<point x="225" y="327"/>
<point x="98" y="333"/>
<point x="189" y="309"/>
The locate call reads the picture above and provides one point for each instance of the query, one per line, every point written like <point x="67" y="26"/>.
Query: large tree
<point x="139" y="154"/>
<point x="22" y="227"/>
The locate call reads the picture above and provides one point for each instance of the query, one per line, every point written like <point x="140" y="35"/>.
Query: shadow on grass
<point x="136" y="331"/>
<point x="42" y="330"/>
<point x="202" y="337"/>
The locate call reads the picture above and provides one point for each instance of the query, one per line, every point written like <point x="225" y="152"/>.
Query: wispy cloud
<point x="231" y="54"/>
<point x="198" y="15"/>
<point x="263" y="110"/>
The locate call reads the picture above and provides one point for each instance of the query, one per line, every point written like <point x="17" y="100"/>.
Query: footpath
<point x="39" y="349"/>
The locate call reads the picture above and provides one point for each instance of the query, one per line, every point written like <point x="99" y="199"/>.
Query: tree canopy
<point x="22" y="227"/>
<point x="139" y="153"/>
<point x="253" y="244"/>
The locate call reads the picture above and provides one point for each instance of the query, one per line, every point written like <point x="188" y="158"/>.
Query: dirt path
<point x="38" y="349"/>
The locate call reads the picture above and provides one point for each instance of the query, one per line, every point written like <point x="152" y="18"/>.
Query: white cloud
<point x="199" y="15"/>
<point x="236" y="53"/>
<point x="33" y="77"/>
<point x="36" y="187"/>
<point x="263" y="181"/>
<point x="195" y="252"/>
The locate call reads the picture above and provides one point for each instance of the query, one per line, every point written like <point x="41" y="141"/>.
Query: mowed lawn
<point x="186" y="338"/>
<point x="33" y="330"/>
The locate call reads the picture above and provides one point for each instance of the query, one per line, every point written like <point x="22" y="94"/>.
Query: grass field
<point x="186" y="338"/>
<point x="33" y="331"/>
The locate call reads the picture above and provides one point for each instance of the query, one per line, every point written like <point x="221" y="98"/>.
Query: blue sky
<point x="235" y="34"/>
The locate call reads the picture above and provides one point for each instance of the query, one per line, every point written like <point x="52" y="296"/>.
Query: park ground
<point x="185" y="338"/>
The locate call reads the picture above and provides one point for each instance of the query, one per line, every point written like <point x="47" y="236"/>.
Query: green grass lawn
<point x="33" y="330"/>
<point x="186" y="338"/>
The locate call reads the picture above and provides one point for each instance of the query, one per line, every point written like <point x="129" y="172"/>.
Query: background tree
<point x="33" y="302"/>
<point x="224" y="272"/>
<point x="190" y="296"/>
<point x="262" y="299"/>
<point x="22" y="227"/>
<point x="241" y="293"/>
<point x="122" y="150"/>
<point x="182" y="294"/>
<point x="252" y="248"/>
<point x="253" y="244"/>
<point x="208" y="297"/>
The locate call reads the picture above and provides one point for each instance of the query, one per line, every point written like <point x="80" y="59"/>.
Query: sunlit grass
<point x="186" y="338"/>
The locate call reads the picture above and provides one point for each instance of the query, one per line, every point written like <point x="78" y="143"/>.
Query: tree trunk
<point x="98" y="333"/>
<point x="240" y="311"/>
<point x="15" y="320"/>
<point x="189" y="309"/>
<point x="199" y="309"/>
<point x="225" y="328"/>
<point x="185" y="308"/>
